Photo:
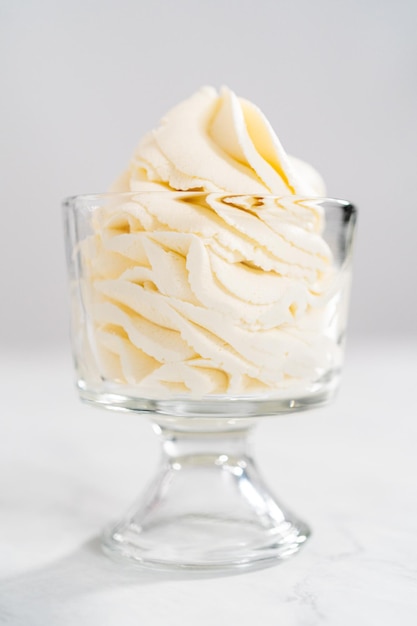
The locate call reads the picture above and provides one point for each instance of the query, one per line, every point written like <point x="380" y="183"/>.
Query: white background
<point x="82" y="81"/>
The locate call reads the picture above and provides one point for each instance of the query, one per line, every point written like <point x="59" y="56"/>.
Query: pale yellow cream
<point x="207" y="293"/>
<point x="218" y="142"/>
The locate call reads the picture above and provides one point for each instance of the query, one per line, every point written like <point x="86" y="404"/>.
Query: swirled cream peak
<point x="218" y="142"/>
<point x="211" y="276"/>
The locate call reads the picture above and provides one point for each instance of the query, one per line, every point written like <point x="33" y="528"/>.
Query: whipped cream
<point x="218" y="142"/>
<point x="209" y="292"/>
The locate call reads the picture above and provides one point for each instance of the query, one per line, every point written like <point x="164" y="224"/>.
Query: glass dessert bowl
<point x="206" y="312"/>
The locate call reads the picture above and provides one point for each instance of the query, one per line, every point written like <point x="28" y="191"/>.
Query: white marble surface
<point x="349" y="470"/>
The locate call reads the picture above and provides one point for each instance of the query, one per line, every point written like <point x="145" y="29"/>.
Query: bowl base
<point x="204" y="543"/>
<point x="207" y="508"/>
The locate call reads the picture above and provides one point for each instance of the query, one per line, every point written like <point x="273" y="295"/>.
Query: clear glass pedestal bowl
<point x="207" y="312"/>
